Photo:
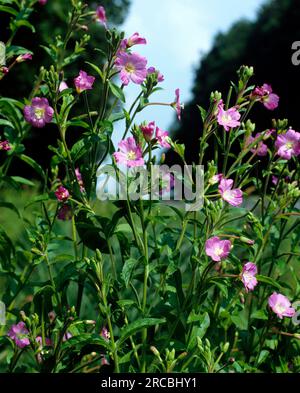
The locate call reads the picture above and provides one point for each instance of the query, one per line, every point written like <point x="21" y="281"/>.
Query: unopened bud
<point x="244" y="239"/>
<point x="155" y="351"/>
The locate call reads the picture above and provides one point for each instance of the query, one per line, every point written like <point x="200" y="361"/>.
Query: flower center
<point x="39" y="113"/>
<point x="280" y="308"/>
<point x="218" y="251"/>
<point x="130" y="68"/>
<point x="226" y="118"/>
<point x="131" y="155"/>
<point x="289" y="145"/>
<point x="227" y="194"/>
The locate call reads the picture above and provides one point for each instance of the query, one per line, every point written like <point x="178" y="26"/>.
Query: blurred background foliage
<point x="265" y="44"/>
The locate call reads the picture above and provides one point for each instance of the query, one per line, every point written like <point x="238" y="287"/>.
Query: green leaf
<point x="25" y="23"/>
<point x="263" y="356"/>
<point x="38" y="198"/>
<point x="116" y="116"/>
<point x="268" y="280"/>
<point x="8" y="10"/>
<point x="136" y="326"/>
<point x="10" y="206"/>
<point x="97" y="69"/>
<point x="86" y="339"/>
<point x="22" y="180"/>
<point x="128" y="270"/>
<point x="117" y="91"/>
<point x="6" y="122"/>
<point x="203" y="112"/>
<point x="15" y="50"/>
<point x="33" y="164"/>
<point x="240" y="320"/>
<point x="259" y="314"/>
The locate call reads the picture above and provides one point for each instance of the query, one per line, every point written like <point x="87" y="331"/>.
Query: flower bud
<point x="244" y="239"/>
<point x="225" y="347"/>
<point x="155" y="351"/>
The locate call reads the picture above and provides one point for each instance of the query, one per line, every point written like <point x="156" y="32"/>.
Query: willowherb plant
<point x="144" y="285"/>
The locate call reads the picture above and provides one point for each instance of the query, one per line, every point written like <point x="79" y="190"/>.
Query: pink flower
<point x="177" y="105"/>
<point x="39" y="340"/>
<point x="105" y="333"/>
<point x="83" y="82"/>
<point x="135" y="39"/>
<point x="79" y="179"/>
<point x="228" y="119"/>
<point x="43" y="2"/>
<point x="52" y="316"/>
<point x="4" y="70"/>
<point x="248" y="276"/>
<point x="153" y="70"/>
<point x="168" y="182"/>
<point x="266" y="96"/>
<point x="62" y="86"/>
<point x="216" y="178"/>
<point x="19" y="334"/>
<point x="261" y="149"/>
<point x="148" y="130"/>
<point x="162" y="137"/>
<point x="5" y="145"/>
<point x="288" y="144"/>
<point x="39" y="112"/>
<point x="62" y="194"/>
<point x="233" y="196"/>
<point x="274" y="180"/>
<point x="130" y="153"/>
<point x="25" y="57"/>
<point x="132" y="67"/>
<point x="217" y="249"/>
<point x="67" y="336"/>
<point x="64" y="213"/>
<point x="281" y="305"/>
<point x="101" y="16"/>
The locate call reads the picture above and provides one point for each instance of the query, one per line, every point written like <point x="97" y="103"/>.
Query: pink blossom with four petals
<point x="248" y="276"/>
<point x="233" y="196"/>
<point x="217" y="249"/>
<point x="260" y="149"/>
<point x="19" y="334"/>
<point x="83" y="82"/>
<point x="39" y="113"/>
<point x="228" y="119"/>
<point x="132" y="67"/>
<point x="129" y="153"/>
<point x="62" y="194"/>
<point x="288" y="144"/>
<point x="266" y="96"/>
<point x="281" y="305"/>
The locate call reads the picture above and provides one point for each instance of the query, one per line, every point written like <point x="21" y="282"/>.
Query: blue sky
<point x="178" y="34"/>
